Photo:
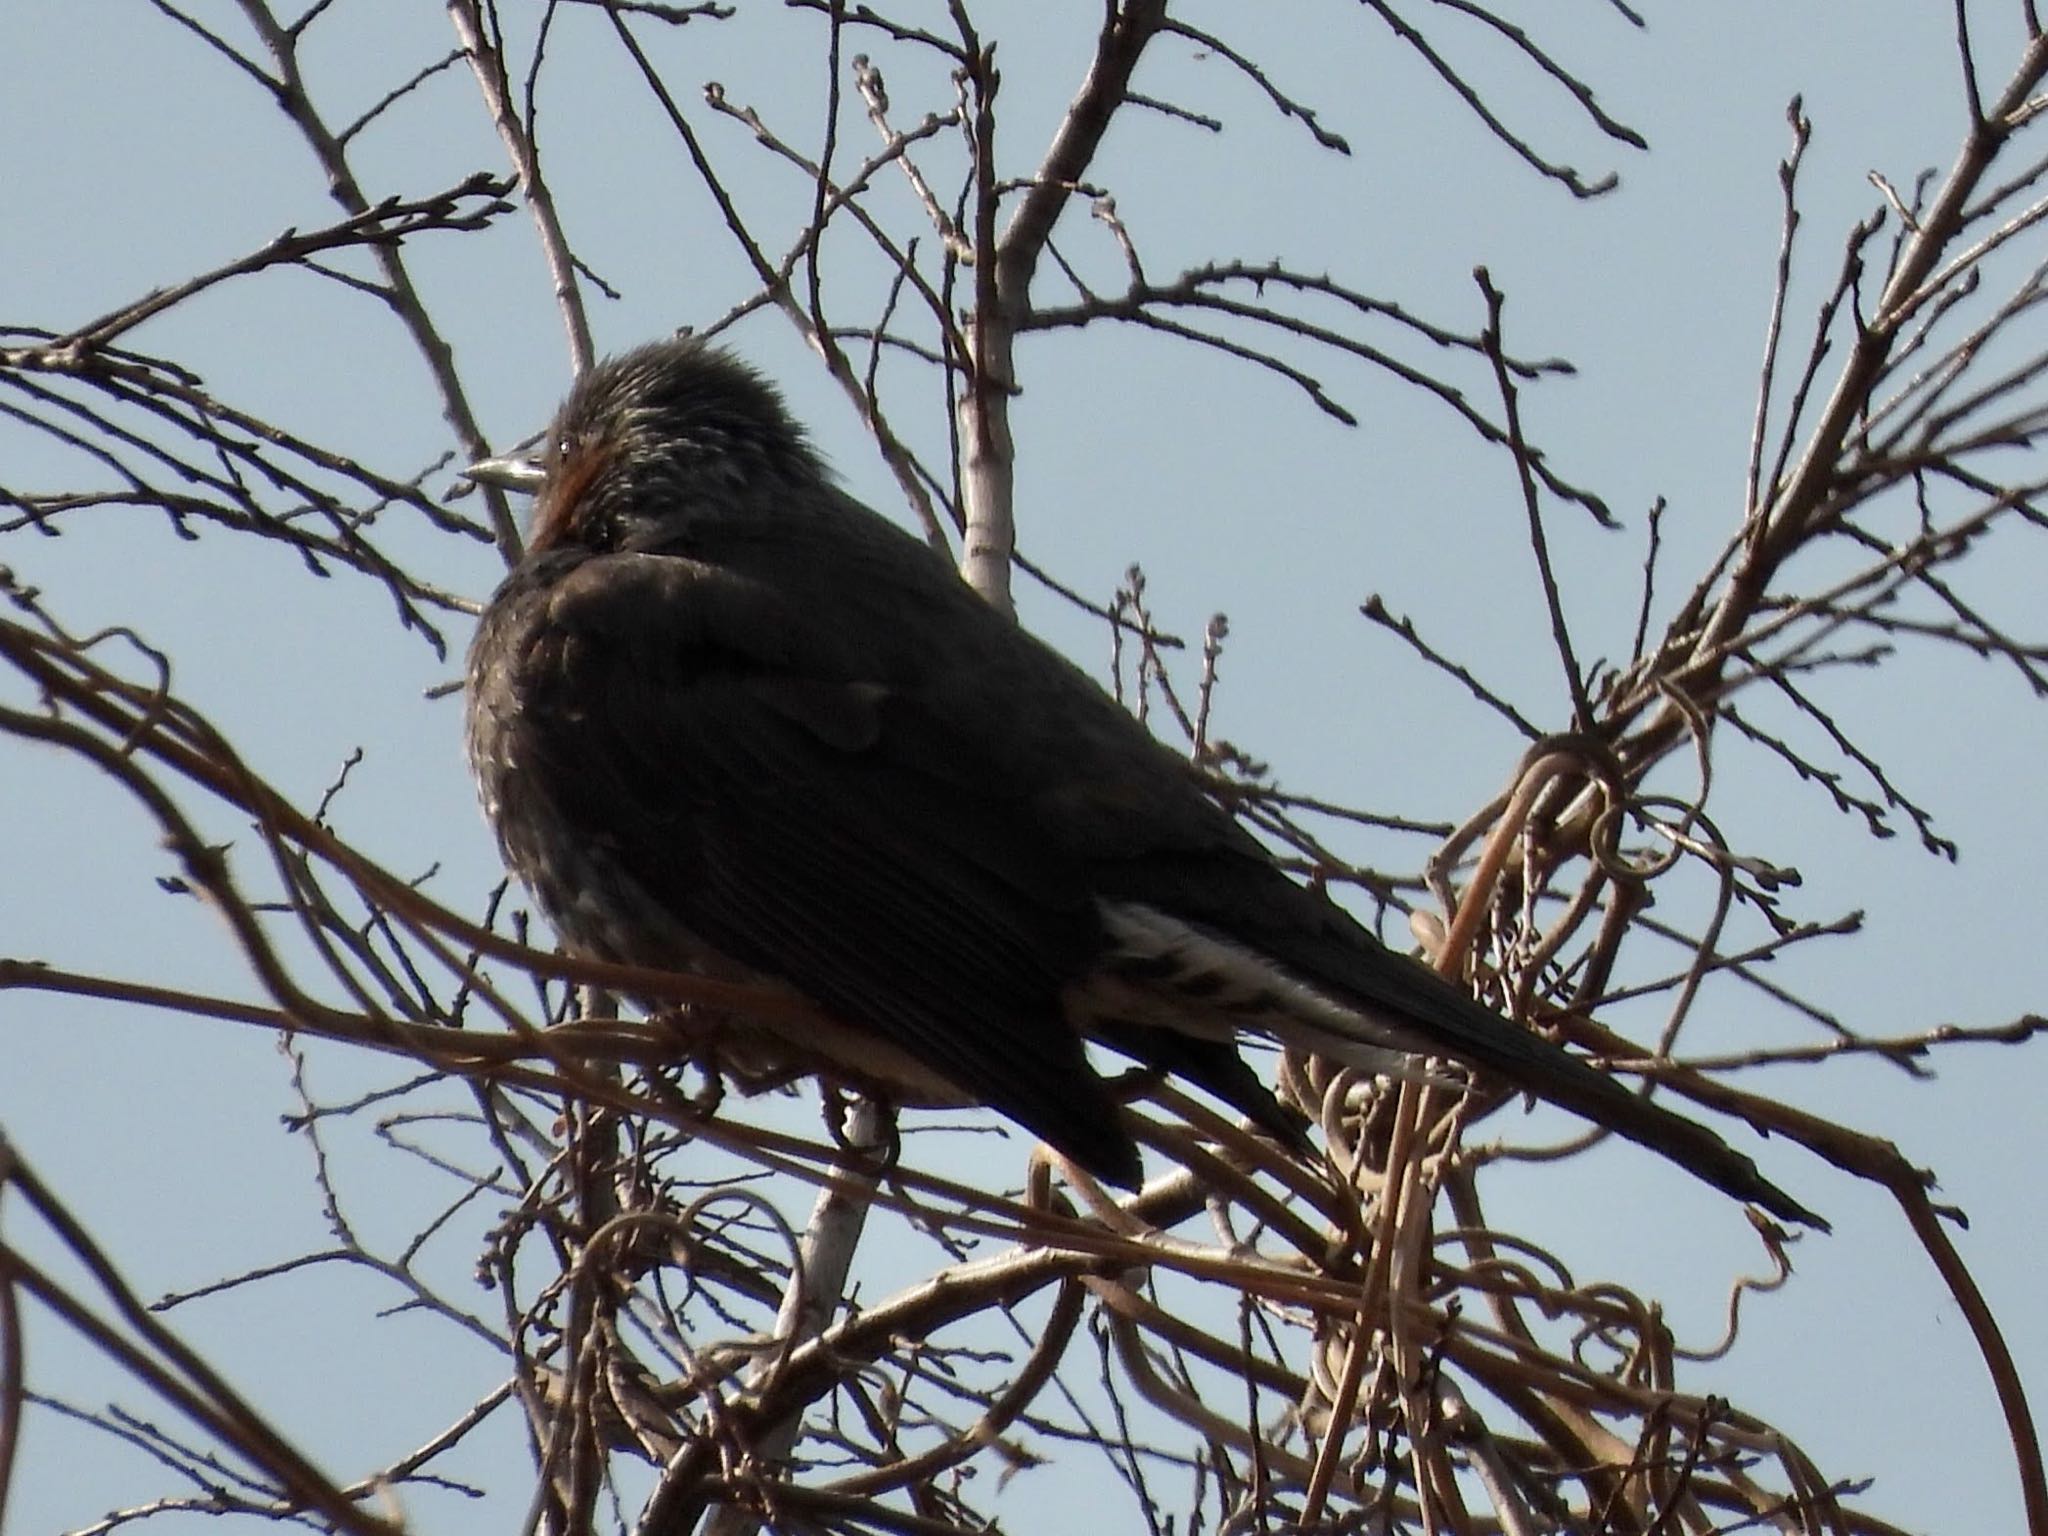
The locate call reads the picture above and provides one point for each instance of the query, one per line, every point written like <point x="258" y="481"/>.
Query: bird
<point x="726" y="719"/>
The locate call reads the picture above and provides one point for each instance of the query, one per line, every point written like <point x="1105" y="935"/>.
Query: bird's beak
<point x="508" y="474"/>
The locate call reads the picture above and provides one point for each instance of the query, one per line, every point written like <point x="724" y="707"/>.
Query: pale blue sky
<point x="130" y="157"/>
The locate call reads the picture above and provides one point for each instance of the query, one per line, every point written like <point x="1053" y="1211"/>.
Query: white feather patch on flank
<point x="1170" y="975"/>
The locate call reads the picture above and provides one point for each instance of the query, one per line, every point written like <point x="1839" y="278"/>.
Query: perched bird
<point x="726" y="719"/>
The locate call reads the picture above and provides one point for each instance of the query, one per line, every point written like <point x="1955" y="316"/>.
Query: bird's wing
<point x="826" y="829"/>
<point x="1152" y="840"/>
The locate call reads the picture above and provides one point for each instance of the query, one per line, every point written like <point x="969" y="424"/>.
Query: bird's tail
<point x="1386" y="1014"/>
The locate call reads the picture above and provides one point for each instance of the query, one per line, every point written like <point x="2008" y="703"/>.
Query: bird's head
<point x="661" y="436"/>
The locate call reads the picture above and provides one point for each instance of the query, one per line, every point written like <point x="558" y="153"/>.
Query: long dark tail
<point x="1462" y="1027"/>
<point x="1316" y="981"/>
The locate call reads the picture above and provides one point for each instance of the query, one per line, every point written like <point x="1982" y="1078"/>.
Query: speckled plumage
<point x="725" y="718"/>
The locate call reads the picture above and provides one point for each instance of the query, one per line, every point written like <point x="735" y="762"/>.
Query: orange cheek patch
<point x="559" y="511"/>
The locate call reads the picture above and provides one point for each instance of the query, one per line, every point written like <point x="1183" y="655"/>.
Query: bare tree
<point x="706" y="1317"/>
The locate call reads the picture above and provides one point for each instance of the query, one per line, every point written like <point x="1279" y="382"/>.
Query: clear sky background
<point x="132" y="157"/>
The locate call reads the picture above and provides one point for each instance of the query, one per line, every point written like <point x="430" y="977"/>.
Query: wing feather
<point x="827" y="830"/>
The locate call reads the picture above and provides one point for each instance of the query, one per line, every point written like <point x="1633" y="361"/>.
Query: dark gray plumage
<point x="725" y="718"/>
